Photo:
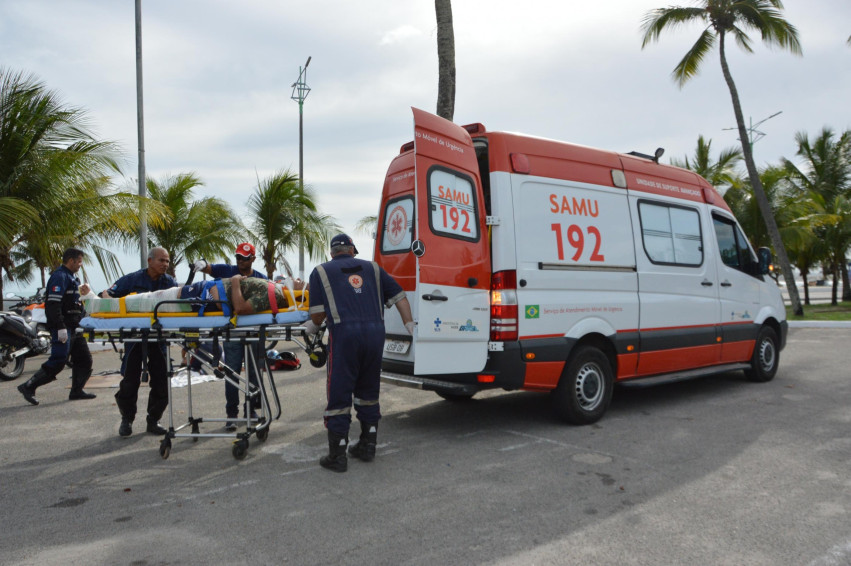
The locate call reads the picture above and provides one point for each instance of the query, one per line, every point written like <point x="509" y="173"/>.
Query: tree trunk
<point x="806" y="290"/>
<point x="846" y="289"/>
<point x="445" y="59"/>
<point x="758" y="191"/>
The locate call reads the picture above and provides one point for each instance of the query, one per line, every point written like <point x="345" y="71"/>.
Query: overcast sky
<point x="218" y="76"/>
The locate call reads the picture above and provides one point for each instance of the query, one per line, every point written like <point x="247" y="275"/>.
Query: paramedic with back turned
<point x="351" y="295"/>
<point x="154" y="278"/>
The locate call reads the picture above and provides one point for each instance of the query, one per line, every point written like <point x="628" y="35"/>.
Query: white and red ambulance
<point x="533" y="264"/>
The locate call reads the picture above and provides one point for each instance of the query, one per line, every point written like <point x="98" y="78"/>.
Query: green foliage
<point x="193" y="229"/>
<point x="282" y="214"/>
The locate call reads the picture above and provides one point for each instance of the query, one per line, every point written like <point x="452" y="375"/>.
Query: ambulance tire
<point x="766" y="356"/>
<point x="585" y="389"/>
<point x="456" y="397"/>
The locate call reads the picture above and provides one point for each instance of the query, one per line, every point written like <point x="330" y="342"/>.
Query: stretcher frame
<point x="215" y="329"/>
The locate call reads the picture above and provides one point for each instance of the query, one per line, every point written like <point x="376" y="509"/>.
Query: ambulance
<point x="539" y="265"/>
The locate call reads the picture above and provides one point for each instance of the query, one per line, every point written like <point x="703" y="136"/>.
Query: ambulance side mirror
<point x="764" y="255"/>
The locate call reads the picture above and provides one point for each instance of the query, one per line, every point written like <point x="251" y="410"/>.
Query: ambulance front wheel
<point x="585" y="389"/>
<point x="766" y="356"/>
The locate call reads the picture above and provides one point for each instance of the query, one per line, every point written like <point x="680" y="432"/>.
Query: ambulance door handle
<point x="472" y="282"/>
<point x="726" y="284"/>
<point x="430" y="297"/>
<point x="706" y="283"/>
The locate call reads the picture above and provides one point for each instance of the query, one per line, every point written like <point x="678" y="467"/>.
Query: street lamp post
<point x="300" y="92"/>
<point x="143" y="228"/>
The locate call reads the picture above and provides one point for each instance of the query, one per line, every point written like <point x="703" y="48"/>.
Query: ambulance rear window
<point x="452" y="204"/>
<point x="397" y="229"/>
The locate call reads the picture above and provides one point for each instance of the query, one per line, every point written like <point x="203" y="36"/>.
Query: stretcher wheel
<point x="165" y="448"/>
<point x="263" y="434"/>
<point x="240" y="449"/>
<point x="195" y="430"/>
<point x="318" y="358"/>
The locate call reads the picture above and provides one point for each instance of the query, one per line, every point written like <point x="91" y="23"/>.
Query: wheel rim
<point x="767" y="355"/>
<point x="589" y="386"/>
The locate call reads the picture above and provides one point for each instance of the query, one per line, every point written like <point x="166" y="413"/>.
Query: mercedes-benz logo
<point x="418" y="247"/>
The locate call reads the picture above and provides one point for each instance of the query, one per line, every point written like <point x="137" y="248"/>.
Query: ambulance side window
<point x="398" y="227"/>
<point x="733" y="246"/>
<point x="452" y="204"/>
<point x="671" y="234"/>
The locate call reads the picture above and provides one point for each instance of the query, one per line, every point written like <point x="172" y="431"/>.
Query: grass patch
<point x="842" y="311"/>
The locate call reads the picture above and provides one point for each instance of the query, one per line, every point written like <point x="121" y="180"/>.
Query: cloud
<point x="400" y="35"/>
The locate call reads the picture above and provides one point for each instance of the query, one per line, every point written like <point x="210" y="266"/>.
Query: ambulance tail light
<point x="504" y="306"/>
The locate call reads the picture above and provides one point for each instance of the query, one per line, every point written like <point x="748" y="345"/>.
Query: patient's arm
<point x="240" y="305"/>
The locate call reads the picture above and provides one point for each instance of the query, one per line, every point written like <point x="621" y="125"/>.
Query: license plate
<point x="396" y="346"/>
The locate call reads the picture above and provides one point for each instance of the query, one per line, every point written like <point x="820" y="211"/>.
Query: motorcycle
<point x="19" y="339"/>
<point x="31" y="308"/>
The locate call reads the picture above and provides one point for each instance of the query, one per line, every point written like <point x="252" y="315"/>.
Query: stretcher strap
<point x="217" y="283"/>
<point x="273" y="302"/>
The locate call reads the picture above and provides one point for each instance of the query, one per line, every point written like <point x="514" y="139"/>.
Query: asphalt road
<point x="716" y="471"/>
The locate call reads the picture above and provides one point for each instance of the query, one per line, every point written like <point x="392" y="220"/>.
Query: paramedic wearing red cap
<point x="234" y="351"/>
<point x="351" y="295"/>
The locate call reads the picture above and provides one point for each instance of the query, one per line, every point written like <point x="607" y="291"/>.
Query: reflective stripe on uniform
<point x="365" y="403"/>
<point x="378" y="286"/>
<point x="335" y="412"/>
<point x="329" y="295"/>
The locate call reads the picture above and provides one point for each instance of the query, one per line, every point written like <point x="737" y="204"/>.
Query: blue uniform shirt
<point x="224" y="270"/>
<point x="140" y="282"/>
<point x="63" y="307"/>
<point x="347" y="289"/>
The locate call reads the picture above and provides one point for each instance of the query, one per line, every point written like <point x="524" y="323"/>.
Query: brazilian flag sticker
<point x="532" y="311"/>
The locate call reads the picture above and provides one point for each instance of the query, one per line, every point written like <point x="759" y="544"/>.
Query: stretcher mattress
<point x="192" y="320"/>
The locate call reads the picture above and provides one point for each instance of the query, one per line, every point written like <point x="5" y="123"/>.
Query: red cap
<point x="245" y="249"/>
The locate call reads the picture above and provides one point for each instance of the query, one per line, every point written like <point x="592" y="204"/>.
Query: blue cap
<point x="343" y="240"/>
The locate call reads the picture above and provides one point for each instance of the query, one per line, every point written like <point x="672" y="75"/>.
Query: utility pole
<point x="300" y="92"/>
<point x="755" y="135"/>
<point x="140" y="118"/>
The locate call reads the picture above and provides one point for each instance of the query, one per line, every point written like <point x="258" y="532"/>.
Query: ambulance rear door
<point x="452" y="299"/>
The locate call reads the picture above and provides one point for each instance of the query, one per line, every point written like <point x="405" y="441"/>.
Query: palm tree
<point x="445" y="59"/>
<point x="723" y="17"/>
<point x="825" y="180"/>
<point x="194" y="229"/>
<point x="367" y="225"/>
<point x="282" y="213"/>
<point x="720" y="173"/>
<point x="50" y="163"/>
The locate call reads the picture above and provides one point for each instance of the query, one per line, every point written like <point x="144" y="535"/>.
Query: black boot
<point x="154" y="427"/>
<point x="364" y="449"/>
<point x="126" y="427"/>
<point x="336" y="460"/>
<point x="38" y="379"/>
<point x="79" y="377"/>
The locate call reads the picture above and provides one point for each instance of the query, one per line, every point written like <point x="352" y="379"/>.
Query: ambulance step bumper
<point x="427" y="384"/>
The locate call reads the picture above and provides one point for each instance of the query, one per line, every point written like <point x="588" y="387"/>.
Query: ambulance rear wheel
<point x="585" y="389"/>
<point x="766" y="356"/>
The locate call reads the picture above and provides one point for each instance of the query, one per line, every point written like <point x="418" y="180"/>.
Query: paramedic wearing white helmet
<point x="351" y="295"/>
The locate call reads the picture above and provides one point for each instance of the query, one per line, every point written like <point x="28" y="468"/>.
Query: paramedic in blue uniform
<point x="154" y="278"/>
<point x="351" y="294"/>
<point x="234" y="351"/>
<point x="64" y="310"/>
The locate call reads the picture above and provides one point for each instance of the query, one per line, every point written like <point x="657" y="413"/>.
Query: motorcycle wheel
<point x="12" y="369"/>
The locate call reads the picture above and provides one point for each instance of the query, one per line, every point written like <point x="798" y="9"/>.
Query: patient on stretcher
<point x="251" y="295"/>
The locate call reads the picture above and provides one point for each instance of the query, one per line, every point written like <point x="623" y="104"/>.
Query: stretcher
<point x="189" y="323"/>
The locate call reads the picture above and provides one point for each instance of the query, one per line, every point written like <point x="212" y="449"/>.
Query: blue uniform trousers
<point x="354" y="374"/>
<point x="131" y="370"/>
<point x="234" y="354"/>
<point x="76" y="346"/>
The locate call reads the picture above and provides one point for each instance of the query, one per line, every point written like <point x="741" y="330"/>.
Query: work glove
<point x="409" y="326"/>
<point x="200" y="264"/>
<point x="62" y="334"/>
<point x="310" y="327"/>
